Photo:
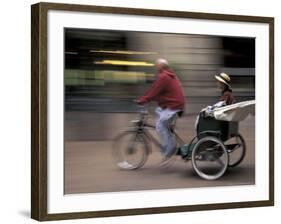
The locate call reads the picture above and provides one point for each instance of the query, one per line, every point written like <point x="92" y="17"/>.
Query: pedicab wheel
<point x="209" y="158"/>
<point x="130" y="150"/>
<point x="237" y="154"/>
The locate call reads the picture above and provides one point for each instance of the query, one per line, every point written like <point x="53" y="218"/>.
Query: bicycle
<point x="208" y="150"/>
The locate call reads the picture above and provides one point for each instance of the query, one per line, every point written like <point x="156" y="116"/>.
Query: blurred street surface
<point x="89" y="166"/>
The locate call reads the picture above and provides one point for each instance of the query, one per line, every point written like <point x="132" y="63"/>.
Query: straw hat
<point x="224" y="78"/>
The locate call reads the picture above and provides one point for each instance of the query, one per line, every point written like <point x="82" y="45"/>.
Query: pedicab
<point x="217" y="146"/>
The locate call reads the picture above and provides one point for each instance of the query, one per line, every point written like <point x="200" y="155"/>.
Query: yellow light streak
<point x="128" y="63"/>
<point x="123" y="52"/>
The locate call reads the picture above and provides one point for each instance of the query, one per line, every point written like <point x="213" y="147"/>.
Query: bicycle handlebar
<point x="142" y="108"/>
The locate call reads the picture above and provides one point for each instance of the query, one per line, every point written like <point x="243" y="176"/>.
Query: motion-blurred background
<point x="106" y="70"/>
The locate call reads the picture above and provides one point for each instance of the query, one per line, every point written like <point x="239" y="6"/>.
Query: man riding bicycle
<point x="168" y="93"/>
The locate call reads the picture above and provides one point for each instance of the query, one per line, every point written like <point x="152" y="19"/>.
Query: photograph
<point x="148" y="110"/>
<point x="141" y="111"/>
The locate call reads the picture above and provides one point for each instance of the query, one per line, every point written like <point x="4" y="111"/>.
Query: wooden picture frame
<point x="39" y="109"/>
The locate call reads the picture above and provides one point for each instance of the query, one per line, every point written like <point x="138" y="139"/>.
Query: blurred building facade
<point x="106" y="70"/>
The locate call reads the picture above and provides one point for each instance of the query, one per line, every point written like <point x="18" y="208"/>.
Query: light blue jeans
<point x="168" y="141"/>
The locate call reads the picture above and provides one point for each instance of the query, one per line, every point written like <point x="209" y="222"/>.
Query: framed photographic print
<point x="139" y="111"/>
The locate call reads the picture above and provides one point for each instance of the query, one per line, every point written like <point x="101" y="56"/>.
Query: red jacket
<point x="166" y="91"/>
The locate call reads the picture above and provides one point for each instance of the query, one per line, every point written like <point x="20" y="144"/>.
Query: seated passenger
<point x="226" y="98"/>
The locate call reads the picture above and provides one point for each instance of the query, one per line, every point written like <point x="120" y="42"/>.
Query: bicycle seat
<point x="180" y="113"/>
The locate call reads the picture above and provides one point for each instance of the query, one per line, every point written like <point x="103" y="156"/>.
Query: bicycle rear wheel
<point x="130" y="150"/>
<point x="209" y="158"/>
<point x="238" y="152"/>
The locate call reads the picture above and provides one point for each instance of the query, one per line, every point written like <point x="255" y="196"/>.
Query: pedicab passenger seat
<point x="224" y="123"/>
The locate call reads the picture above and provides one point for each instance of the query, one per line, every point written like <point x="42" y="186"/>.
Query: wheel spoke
<point x="220" y="162"/>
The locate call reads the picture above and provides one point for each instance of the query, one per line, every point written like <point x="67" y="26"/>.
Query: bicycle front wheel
<point x="130" y="150"/>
